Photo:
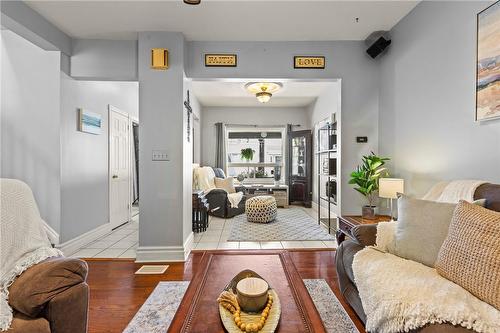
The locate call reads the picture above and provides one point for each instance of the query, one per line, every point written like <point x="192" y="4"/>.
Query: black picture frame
<point x="221" y="54"/>
<point x="308" y="56"/>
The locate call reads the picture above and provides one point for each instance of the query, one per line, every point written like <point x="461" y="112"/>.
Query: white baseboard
<point x="71" y="246"/>
<point x="146" y="254"/>
<point x="51" y="233"/>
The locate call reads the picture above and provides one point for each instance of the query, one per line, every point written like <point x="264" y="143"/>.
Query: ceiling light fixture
<point x="263" y="90"/>
<point x="192" y="2"/>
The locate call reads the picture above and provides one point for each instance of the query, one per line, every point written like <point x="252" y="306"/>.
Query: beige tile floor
<point x="122" y="242"/>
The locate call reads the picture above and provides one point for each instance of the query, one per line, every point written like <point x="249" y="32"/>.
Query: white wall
<point x="427" y="99"/>
<point x="84" y="158"/>
<point x="30" y="140"/>
<point x="263" y="116"/>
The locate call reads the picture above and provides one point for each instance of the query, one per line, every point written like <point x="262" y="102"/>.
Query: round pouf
<point x="261" y="209"/>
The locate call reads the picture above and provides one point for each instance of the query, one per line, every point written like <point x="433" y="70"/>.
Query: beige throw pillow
<point x="470" y="255"/>
<point x="225" y="184"/>
<point x="421" y="229"/>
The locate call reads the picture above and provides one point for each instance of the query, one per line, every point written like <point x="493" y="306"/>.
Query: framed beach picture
<point x="89" y="122"/>
<point x="488" y="63"/>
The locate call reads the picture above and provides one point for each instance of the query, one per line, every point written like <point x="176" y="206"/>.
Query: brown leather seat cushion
<point x="23" y="324"/>
<point x="40" y="283"/>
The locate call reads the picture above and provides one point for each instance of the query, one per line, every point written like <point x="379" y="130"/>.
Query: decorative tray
<point x="274" y="314"/>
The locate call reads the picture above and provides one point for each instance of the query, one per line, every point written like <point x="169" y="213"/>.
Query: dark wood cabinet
<point x="300" y="167"/>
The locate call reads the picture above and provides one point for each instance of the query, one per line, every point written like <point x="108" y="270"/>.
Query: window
<point x="267" y="146"/>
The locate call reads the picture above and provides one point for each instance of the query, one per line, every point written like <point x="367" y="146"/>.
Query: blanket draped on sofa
<point x="399" y="295"/>
<point x="24" y="242"/>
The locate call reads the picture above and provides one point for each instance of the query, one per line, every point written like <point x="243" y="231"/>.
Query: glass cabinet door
<point x="299" y="151"/>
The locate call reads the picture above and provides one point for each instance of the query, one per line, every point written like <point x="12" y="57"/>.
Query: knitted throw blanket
<point x="399" y="295"/>
<point x="23" y="241"/>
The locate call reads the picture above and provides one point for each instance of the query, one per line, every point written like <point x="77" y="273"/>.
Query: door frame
<point x="131" y="120"/>
<point x="114" y="109"/>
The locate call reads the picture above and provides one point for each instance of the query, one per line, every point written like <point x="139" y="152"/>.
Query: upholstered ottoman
<point x="261" y="209"/>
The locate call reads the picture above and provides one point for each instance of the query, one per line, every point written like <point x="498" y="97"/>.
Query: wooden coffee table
<point x="199" y="311"/>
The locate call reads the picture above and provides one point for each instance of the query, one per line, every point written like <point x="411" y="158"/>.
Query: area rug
<point x="291" y="224"/>
<point x="158" y="311"/>
<point x="333" y="314"/>
<point x="156" y="314"/>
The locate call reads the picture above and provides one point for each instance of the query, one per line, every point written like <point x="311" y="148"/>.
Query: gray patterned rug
<point x="292" y="224"/>
<point x="333" y="314"/>
<point x="157" y="312"/>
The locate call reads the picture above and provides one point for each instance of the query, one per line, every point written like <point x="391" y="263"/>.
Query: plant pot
<point x="368" y="212"/>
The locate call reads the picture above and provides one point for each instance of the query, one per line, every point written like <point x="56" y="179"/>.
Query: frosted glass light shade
<point x="390" y="187"/>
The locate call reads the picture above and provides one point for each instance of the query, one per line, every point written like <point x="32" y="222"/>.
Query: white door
<point x="119" y="167"/>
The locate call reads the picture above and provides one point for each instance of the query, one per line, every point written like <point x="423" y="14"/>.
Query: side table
<point x="200" y="211"/>
<point x="346" y="223"/>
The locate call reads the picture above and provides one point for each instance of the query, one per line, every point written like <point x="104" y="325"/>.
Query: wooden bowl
<point x="252" y="294"/>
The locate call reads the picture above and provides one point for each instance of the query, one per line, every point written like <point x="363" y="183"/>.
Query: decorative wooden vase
<point x="252" y="294"/>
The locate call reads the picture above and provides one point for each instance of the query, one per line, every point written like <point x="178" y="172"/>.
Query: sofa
<point x="51" y="297"/>
<point x="365" y="235"/>
<point x="218" y="202"/>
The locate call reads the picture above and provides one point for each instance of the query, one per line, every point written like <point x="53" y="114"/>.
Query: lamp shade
<point x="390" y="187"/>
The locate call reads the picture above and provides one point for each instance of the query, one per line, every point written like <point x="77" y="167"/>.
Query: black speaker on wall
<point x="377" y="42"/>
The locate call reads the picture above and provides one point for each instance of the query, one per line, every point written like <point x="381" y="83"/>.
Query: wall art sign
<point x="311" y="62"/>
<point x="89" y="122"/>
<point x="189" y="111"/>
<point x="488" y="63"/>
<point x="220" y="60"/>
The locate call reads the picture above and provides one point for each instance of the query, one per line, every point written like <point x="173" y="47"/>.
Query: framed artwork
<point x="89" y="122"/>
<point x="488" y="63"/>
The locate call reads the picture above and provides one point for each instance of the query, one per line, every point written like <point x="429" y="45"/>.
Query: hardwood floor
<point x="116" y="293"/>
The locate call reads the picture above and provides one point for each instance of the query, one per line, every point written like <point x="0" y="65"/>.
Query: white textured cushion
<point x="225" y="184"/>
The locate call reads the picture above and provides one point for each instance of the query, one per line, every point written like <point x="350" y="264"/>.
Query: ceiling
<point x="225" y="20"/>
<point x="233" y="93"/>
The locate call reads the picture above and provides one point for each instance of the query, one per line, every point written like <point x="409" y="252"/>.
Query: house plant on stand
<point x="366" y="177"/>
<point x="247" y="154"/>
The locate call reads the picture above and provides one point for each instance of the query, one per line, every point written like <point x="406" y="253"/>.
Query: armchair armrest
<point x="365" y="234"/>
<point x="39" y="285"/>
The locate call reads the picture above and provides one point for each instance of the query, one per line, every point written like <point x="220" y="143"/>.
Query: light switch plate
<point x="160" y="155"/>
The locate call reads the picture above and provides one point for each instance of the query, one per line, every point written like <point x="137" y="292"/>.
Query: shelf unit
<point x="326" y="159"/>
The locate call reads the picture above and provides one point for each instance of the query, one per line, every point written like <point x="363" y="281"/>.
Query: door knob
<point x="115" y="176"/>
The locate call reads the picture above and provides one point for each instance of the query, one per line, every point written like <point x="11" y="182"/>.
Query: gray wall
<point x="427" y="99"/>
<point x="326" y="104"/>
<point x="195" y="121"/>
<point x="96" y="59"/>
<point x="21" y="19"/>
<point x="346" y="60"/>
<point x="30" y="121"/>
<point x="164" y="205"/>
<point x="246" y="116"/>
<point x="84" y="157"/>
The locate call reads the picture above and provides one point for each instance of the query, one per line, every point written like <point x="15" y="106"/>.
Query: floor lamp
<point x="389" y="188"/>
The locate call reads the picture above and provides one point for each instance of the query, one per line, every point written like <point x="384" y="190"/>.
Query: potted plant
<point x="247" y="154"/>
<point x="365" y="178"/>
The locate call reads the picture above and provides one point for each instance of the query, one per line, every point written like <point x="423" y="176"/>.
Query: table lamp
<point x="389" y="188"/>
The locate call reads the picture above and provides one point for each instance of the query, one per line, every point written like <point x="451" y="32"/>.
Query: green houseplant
<point x="365" y="180"/>
<point x="247" y="154"/>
